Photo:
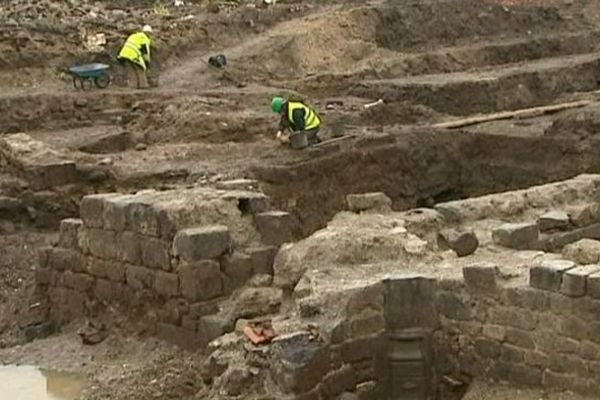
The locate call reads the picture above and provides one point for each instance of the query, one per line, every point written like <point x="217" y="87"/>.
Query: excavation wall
<point x="422" y="167"/>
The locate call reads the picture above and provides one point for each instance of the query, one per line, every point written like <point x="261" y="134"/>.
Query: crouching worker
<point x="135" y="56"/>
<point x="296" y="117"/>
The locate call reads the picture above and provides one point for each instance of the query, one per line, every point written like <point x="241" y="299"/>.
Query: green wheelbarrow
<point x="86" y="76"/>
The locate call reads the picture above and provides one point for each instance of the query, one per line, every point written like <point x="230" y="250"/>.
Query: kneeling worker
<point x="135" y="56"/>
<point x="296" y="117"/>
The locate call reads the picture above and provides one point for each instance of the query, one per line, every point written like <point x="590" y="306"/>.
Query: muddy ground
<point x="430" y="61"/>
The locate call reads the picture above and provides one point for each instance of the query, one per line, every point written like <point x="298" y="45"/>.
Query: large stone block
<point x="515" y="317"/>
<point x="553" y="220"/>
<point x="361" y="349"/>
<point x="462" y="243"/>
<point x="78" y="281"/>
<point x="142" y="218"/>
<point x="481" y="277"/>
<point x="495" y="332"/>
<point x="130" y="250"/>
<point x="92" y="208"/>
<point x="564" y="381"/>
<point x="139" y="277"/>
<point x="574" y="281"/>
<point x="548" y="274"/>
<point x="103" y="244"/>
<point x="43" y="256"/>
<point x="203" y="308"/>
<point x="202" y="243"/>
<point x="451" y="306"/>
<point x="237" y="268"/>
<point x="255" y="302"/>
<point x="43" y="276"/>
<point x="536" y="359"/>
<point x="299" y="363"/>
<point x="201" y="280"/>
<point x="593" y="285"/>
<point x="556" y="241"/>
<point x="404" y="294"/>
<point x="69" y="233"/>
<point x="112" y="270"/>
<point x="166" y="284"/>
<point x="263" y="259"/>
<point x="337" y="382"/>
<point x="589" y="351"/>
<point x="517" y="236"/>
<point x="520" y="338"/>
<point x="584" y="251"/>
<point x="155" y="253"/>
<point x="511" y="354"/>
<point x="275" y="227"/>
<point x="108" y="291"/>
<point x="487" y="348"/>
<point x="114" y="212"/>
<point x="65" y="259"/>
<point x="376" y="201"/>
<point x="212" y="326"/>
<point x="527" y="297"/>
<point x="584" y="215"/>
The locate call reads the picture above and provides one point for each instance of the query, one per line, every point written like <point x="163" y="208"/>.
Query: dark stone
<point x="39" y="331"/>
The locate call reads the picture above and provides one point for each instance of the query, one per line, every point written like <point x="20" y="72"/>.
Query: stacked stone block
<point x="552" y="230"/>
<point x="351" y="359"/>
<point x="545" y="334"/>
<point x="180" y="253"/>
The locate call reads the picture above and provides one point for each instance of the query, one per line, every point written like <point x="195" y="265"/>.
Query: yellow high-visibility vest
<point x="132" y="49"/>
<point x="311" y="119"/>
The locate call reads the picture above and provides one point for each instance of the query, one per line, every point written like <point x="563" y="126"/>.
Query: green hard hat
<point x="277" y="104"/>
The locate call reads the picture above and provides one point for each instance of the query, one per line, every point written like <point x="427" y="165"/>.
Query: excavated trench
<point x="420" y="167"/>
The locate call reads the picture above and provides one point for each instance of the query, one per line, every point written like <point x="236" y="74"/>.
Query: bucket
<point x="298" y="140"/>
<point x="337" y="128"/>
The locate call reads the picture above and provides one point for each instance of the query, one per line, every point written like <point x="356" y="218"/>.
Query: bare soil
<point x="430" y="61"/>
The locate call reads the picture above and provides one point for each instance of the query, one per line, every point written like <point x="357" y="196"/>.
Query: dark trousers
<point x="133" y="74"/>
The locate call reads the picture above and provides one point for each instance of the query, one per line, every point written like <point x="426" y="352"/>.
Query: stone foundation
<point x="174" y="256"/>
<point x="520" y="334"/>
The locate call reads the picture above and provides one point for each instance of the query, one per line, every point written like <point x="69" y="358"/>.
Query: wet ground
<point x="26" y="382"/>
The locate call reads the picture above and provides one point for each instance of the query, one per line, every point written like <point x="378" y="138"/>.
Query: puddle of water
<point x="32" y="383"/>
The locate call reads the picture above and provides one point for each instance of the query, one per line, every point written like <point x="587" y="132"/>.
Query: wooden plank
<point x="524" y="113"/>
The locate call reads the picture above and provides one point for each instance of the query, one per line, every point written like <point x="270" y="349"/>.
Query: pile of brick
<point x="180" y="253"/>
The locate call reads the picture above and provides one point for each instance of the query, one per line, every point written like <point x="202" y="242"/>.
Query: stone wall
<point x="545" y="333"/>
<point x="173" y="256"/>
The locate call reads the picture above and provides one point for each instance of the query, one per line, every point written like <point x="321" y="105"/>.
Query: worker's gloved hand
<point x="282" y="137"/>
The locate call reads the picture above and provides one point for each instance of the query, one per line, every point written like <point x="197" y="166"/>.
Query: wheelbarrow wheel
<point x="87" y="84"/>
<point x="77" y="82"/>
<point x="102" y="81"/>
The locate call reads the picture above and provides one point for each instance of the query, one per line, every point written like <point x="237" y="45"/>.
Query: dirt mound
<point x="334" y="41"/>
<point x="204" y="119"/>
<point x="361" y="39"/>
<point x="409" y="27"/>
